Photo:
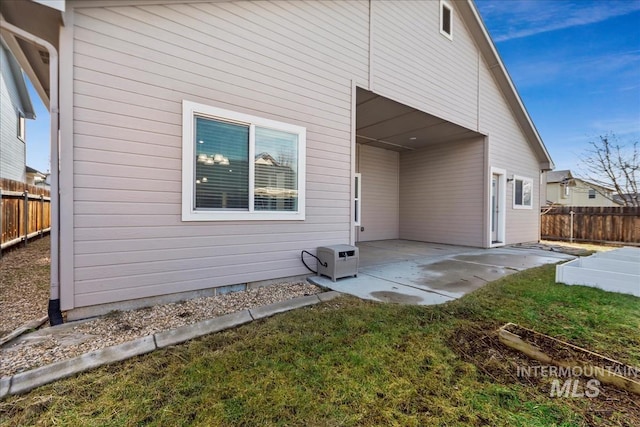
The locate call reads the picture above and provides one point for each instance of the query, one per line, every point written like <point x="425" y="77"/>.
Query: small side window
<point x="592" y="193"/>
<point x="522" y="192"/>
<point x="446" y="20"/>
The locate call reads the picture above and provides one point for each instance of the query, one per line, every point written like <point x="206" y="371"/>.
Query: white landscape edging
<point x="614" y="271"/>
<point x="28" y="380"/>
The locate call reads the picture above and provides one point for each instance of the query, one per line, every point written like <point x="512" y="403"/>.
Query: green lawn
<point x="352" y="362"/>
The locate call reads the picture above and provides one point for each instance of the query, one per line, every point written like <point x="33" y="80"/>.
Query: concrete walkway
<point x="419" y="273"/>
<point x="28" y="380"/>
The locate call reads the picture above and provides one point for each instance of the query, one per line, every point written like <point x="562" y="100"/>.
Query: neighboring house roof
<point x="16" y="72"/>
<point x="566" y="175"/>
<point x="620" y="198"/>
<point x="266" y="159"/>
<point x="558" y="176"/>
<point x="34" y="171"/>
<point x="49" y="17"/>
<point x="35" y="177"/>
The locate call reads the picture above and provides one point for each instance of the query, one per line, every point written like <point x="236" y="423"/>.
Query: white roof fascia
<point x="54" y="4"/>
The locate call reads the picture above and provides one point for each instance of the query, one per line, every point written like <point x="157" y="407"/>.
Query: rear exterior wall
<point x="133" y="66"/>
<point x="380" y="176"/>
<point x="509" y="150"/>
<point x="295" y="62"/>
<point x="442" y="193"/>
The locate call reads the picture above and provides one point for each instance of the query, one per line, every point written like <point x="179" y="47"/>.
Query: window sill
<point x="241" y="216"/>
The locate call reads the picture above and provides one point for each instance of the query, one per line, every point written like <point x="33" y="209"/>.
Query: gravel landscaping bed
<point x="24" y="293"/>
<point x="49" y="345"/>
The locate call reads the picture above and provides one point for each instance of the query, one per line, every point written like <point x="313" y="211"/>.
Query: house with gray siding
<point x="205" y="144"/>
<point x="15" y="109"/>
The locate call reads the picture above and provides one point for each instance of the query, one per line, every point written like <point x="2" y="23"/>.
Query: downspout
<point x="55" y="315"/>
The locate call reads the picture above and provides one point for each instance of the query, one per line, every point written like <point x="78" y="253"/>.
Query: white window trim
<point x="523" y="179"/>
<point x="446" y="4"/>
<point x="189" y="213"/>
<point x="357" y="200"/>
<point x="22" y="127"/>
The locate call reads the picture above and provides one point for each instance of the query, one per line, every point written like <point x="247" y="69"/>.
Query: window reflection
<point x="222" y="169"/>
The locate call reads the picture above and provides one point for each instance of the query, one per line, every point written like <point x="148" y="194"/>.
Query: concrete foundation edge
<point x="26" y="381"/>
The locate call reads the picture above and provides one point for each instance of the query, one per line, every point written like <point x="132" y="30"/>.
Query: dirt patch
<point x="565" y="353"/>
<point x="24" y="284"/>
<point x="479" y="344"/>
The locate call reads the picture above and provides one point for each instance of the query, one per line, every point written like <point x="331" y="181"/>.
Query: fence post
<point x="41" y="216"/>
<point x="26" y="217"/>
<point x="571" y="227"/>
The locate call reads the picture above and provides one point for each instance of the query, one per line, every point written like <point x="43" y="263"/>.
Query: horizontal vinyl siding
<point x="441" y="197"/>
<point x="555" y="192"/>
<point x="578" y="195"/>
<point x="416" y="65"/>
<point x="509" y="150"/>
<point x="133" y="66"/>
<point x="380" y="187"/>
<point x="12" y="149"/>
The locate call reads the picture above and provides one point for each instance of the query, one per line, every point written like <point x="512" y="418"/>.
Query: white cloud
<point x="623" y="127"/>
<point x="523" y="18"/>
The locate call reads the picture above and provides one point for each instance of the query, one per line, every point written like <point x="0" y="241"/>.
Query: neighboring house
<point x="565" y="189"/>
<point x="15" y="108"/>
<point x="35" y="177"/>
<point x="285" y="110"/>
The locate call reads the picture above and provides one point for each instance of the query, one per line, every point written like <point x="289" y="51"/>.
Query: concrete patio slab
<point x="390" y="251"/>
<point x="370" y="287"/>
<point x="425" y="273"/>
<point x="517" y="259"/>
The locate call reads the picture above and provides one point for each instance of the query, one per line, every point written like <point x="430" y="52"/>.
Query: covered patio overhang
<point x="384" y="123"/>
<point x="422" y="177"/>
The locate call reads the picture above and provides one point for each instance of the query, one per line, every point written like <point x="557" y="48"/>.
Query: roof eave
<point x="483" y="39"/>
<point x="23" y="93"/>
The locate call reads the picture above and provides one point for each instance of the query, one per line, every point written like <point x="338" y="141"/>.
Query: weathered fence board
<point x="592" y="224"/>
<point x="25" y="212"/>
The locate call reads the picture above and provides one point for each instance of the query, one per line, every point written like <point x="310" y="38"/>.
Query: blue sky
<point x="38" y="146"/>
<point x="576" y="65"/>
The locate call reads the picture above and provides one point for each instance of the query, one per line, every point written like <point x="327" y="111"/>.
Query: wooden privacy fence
<point x="25" y="212"/>
<point x="592" y="224"/>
